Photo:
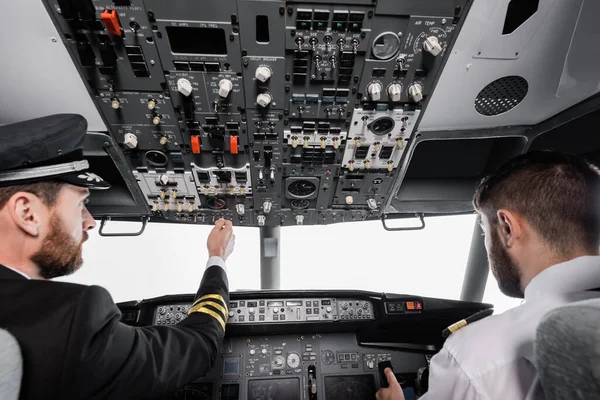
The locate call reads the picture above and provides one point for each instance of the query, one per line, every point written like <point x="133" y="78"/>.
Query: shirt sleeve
<point x="216" y="260"/>
<point x="448" y="381"/>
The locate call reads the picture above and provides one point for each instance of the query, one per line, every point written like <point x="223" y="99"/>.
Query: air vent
<point x="501" y="95"/>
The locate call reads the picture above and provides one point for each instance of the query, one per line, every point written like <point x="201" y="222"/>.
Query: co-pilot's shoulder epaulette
<point x="464" y="322"/>
<point x="213" y="305"/>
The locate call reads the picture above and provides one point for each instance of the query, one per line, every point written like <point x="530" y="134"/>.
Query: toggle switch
<point x="110" y="18"/>
<point x="196" y="144"/>
<point x="233" y="144"/>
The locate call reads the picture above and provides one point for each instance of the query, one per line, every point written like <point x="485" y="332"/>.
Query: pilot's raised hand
<point x="221" y="240"/>
<point x="394" y="391"/>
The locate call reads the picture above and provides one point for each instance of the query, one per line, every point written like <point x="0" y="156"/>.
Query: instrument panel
<point x="266" y="113"/>
<point x="331" y="354"/>
<point x="278" y="311"/>
<point x="303" y="366"/>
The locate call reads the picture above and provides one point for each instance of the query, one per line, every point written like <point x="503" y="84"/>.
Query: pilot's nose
<point x="88" y="221"/>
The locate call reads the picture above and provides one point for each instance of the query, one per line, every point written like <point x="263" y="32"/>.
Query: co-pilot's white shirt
<point x="492" y="358"/>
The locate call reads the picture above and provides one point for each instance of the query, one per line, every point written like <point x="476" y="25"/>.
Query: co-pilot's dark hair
<point x="558" y="194"/>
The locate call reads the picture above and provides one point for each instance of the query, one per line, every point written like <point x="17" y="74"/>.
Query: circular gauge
<point x="156" y="158"/>
<point x="327" y="357"/>
<point x="385" y="46"/>
<point x="300" y="204"/>
<point x="382" y="126"/>
<point x="278" y="362"/>
<point x="215" y="204"/>
<point x="302" y="188"/>
<point x="293" y="360"/>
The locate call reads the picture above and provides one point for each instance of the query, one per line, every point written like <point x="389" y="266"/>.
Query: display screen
<point x="274" y="303"/>
<point x="293" y="303"/>
<point x="274" y="389"/>
<point x="231" y="366"/>
<point x="188" y="40"/>
<point x="350" y="387"/>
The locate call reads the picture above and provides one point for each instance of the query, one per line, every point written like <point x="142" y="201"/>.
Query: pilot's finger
<point x="391" y="378"/>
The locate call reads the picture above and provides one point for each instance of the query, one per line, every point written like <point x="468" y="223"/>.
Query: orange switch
<point x="233" y="144"/>
<point x="111" y="21"/>
<point x="196" y="144"/>
<point x="410" y="305"/>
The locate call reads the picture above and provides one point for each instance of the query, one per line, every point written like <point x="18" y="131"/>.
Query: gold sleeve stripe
<point x="213" y="314"/>
<point x="211" y="296"/>
<point x="212" y="304"/>
<point x="454" y="327"/>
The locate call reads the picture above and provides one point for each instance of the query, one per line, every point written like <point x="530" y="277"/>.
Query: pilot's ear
<point x="26" y="211"/>
<point x="509" y="228"/>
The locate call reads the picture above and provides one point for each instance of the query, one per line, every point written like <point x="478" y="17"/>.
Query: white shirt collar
<point x="19" y="272"/>
<point x="577" y="275"/>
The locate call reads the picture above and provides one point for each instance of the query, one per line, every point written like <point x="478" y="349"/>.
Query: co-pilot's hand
<point x="221" y="240"/>
<point x="394" y="391"/>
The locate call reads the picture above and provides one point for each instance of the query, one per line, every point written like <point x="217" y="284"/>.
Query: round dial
<point x="302" y="188"/>
<point x="215" y="203"/>
<point x="156" y="158"/>
<point x="385" y="46"/>
<point x="293" y="360"/>
<point x="327" y="357"/>
<point x="278" y="362"/>
<point x="382" y="126"/>
<point x="300" y="204"/>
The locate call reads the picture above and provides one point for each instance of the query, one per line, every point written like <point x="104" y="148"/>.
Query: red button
<point x="111" y="21"/>
<point x="418" y="305"/>
<point x="233" y="144"/>
<point x="196" y="144"/>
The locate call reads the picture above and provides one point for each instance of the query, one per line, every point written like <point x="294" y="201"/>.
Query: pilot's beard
<point x="504" y="268"/>
<point x="60" y="254"/>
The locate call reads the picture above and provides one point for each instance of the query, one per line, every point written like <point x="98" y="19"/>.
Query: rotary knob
<point x="225" y="87"/>
<point x="432" y="45"/>
<point x="329" y="309"/>
<point x="240" y="209"/>
<point x="263" y="74"/>
<point x="416" y="92"/>
<point x="395" y="91"/>
<point x="130" y="141"/>
<point x="251" y="310"/>
<point x="264" y="352"/>
<point x="264" y="99"/>
<point x="231" y="314"/>
<point x="261" y="220"/>
<point x="184" y="87"/>
<point x="374" y="90"/>
<point x="252" y="352"/>
<point x="267" y="205"/>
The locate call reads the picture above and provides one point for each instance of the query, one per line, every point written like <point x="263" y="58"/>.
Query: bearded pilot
<point x="72" y="342"/>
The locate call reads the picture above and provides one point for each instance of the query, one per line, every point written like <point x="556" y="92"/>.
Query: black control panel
<point x="261" y="112"/>
<point x="313" y="357"/>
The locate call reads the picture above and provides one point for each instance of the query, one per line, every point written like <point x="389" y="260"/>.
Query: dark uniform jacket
<point x="74" y="346"/>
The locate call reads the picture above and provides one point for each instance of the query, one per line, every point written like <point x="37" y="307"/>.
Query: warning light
<point x="410" y="305"/>
<point x="418" y="305"/>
